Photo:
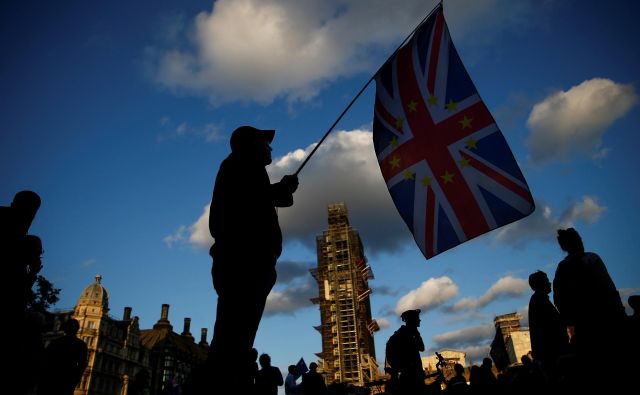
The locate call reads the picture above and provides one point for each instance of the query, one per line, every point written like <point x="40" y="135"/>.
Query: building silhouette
<point x="118" y="351"/>
<point x="507" y="323"/>
<point x="451" y="357"/>
<point x="348" y="351"/>
<point x="114" y="351"/>
<point x="511" y="341"/>
<point x="172" y="356"/>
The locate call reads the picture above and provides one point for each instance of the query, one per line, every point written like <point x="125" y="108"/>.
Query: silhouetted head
<point x="251" y="143"/>
<point x="570" y="241"/>
<point x="540" y="282"/>
<point x="292" y="369"/>
<point x="265" y="360"/>
<point x="458" y="368"/>
<point x="411" y="317"/>
<point x="26" y="205"/>
<point x="313" y="366"/>
<point x="253" y="354"/>
<point x="487" y="363"/>
<point x="71" y="327"/>
<point x="634" y="302"/>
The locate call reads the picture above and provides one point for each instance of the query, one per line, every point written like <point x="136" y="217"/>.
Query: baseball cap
<point x="245" y="135"/>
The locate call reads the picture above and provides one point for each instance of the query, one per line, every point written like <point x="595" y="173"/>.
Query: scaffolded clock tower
<point x="348" y="352"/>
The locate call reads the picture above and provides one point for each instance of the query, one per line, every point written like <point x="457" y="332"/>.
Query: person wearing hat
<point x="244" y="224"/>
<point x="590" y="305"/>
<point x="403" y="355"/>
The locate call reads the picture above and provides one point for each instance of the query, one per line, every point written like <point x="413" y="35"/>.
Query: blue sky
<point x="119" y="115"/>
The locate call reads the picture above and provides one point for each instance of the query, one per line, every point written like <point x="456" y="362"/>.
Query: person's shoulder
<point x="591" y="257"/>
<point x="535" y="297"/>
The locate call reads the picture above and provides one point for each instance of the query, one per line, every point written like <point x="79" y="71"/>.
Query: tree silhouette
<point x="44" y="297"/>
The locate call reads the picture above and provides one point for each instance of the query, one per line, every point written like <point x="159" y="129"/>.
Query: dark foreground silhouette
<point x="64" y="363"/>
<point x="248" y="241"/>
<point x="582" y="343"/>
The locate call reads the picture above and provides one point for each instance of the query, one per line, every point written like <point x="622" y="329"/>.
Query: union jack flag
<point x="448" y="167"/>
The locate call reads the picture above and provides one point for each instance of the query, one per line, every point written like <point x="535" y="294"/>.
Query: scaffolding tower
<point x="348" y="351"/>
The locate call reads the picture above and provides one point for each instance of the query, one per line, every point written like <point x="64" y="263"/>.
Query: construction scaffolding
<point x="348" y="351"/>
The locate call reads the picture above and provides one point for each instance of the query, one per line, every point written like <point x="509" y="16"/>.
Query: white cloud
<point x="178" y="237"/>
<point x="476" y="354"/>
<point x="383" y="323"/>
<point x="289" y="271"/>
<point x="505" y="287"/>
<point x="542" y="224"/>
<point x="343" y="169"/>
<point x="465" y="336"/>
<point x="344" y="160"/>
<point x="263" y="49"/>
<point x="290" y="299"/>
<point x="199" y="232"/>
<point x="573" y="122"/>
<point x="429" y="295"/>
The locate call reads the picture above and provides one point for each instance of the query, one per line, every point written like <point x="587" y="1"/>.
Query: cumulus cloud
<point x="290" y="299"/>
<point x="477" y="353"/>
<point x="293" y="290"/>
<point x="290" y="270"/>
<point x="199" y="231"/>
<point x="542" y="224"/>
<point x="383" y="323"/>
<point x="345" y="159"/>
<point x="430" y="295"/>
<point x="178" y="237"/>
<point x="259" y="50"/>
<point x="344" y="169"/>
<point x="506" y="287"/>
<point x="465" y="337"/>
<point x="573" y="122"/>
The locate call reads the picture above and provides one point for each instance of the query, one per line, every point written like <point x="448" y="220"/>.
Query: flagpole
<point x="363" y="89"/>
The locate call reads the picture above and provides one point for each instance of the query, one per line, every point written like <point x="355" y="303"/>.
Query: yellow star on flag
<point x="426" y="181"/>
<point x="395" y="162"/>
<point x="465" y="122"/>
<point x="394" y="142"/>
<point x="408" y="174"/>
<point x="432" y="100"/>
<point x="451" y="106"/>
<point x="399" y="123"/>
<point x="471" y="143"/>
<point x="464" y="162"/>
<point x="447" y="177"/>
<point x="412" y="106"/>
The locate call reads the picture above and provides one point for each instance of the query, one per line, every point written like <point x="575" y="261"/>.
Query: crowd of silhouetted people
<point x="582" y="340"/>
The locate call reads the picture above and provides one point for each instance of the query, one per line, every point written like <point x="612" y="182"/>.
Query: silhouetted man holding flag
<point x="248" y="241"/>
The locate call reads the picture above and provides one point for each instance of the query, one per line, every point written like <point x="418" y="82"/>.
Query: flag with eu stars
<point x="449" y="169"/>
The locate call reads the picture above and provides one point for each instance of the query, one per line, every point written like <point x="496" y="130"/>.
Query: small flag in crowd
<point x="301" y="368"/>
